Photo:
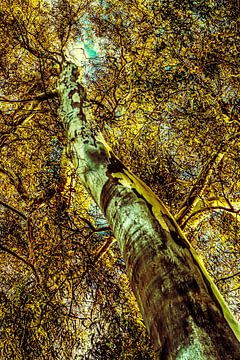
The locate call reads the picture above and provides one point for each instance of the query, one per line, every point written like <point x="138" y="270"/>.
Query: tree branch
<point x="92" y="227"/>
<point x="13" y="209"/>
<point x="194" y="196"/>
<point x="104" y="248"/>
<point x="211" y="204"/>
<point x="3" y="248"/>
<point x="17" y="182"/>
<point x="41" y="97"/>
<point x="228" y="277"/>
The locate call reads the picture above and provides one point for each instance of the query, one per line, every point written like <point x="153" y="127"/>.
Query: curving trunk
<point x="183" y="311"/>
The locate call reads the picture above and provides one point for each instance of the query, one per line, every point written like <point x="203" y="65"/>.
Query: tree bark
<point x="183" y="311"/>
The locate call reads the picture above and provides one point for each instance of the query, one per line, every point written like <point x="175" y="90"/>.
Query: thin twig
<point x="3" y="248"/>
<point x="13" y="209"/>
<point x="227" y="277"/>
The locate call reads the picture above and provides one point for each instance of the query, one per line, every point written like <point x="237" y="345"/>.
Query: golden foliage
<point x="166" y="95"/>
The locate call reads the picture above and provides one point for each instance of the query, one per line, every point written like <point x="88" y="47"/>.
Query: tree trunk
<point x="184" y="313"/>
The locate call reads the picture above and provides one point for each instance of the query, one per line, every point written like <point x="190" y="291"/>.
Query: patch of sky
<point x="103" y="4"/>
<point x="90" y="50"/>
<point x="118" y="114"/>
<point x="186" y="172"/>
<point x="99" y="220"/>
<point x="191" y="173"/>
<point x="160" y="32"/>
<point x="86" y="51"/>
<point x="52" y="163"/>
<point x="165" y="131"/>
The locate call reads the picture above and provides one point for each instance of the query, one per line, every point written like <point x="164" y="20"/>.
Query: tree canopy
<point x="162" y="84"/>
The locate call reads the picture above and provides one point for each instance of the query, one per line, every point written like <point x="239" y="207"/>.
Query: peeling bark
<point x="184" y="313"/>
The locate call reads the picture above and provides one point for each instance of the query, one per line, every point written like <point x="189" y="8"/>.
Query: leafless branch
<point x="228" y="277"/>
<point x="3" y="248"/>
<point x="13" y="209"/>
<point x="40" y="97"/>
<point x="104" y="248"/>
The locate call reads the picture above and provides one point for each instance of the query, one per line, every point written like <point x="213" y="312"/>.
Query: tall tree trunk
<point x="184" y="313"/>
